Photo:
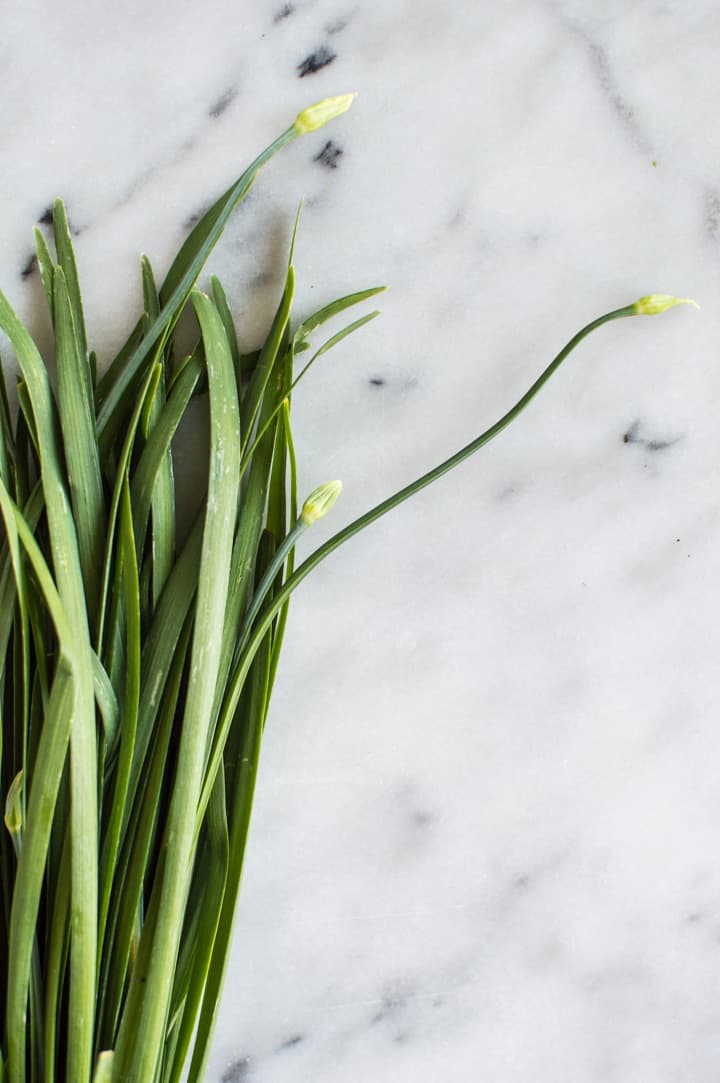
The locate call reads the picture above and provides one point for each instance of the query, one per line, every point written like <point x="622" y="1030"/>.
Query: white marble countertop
<point x="485" y="844"/>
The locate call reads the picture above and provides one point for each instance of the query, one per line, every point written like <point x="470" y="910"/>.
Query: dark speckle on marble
<point x="329" y="155"/>
<point x="218" y="108"/>
<point x="46" y="219"/>
<point x="238" y="1072"/>
<point x="315" y="61"/>
<point x="633" y="435"/>
<point x="376" y="381"/>
<point x="284" y="13"/>
<point x="30" y="265"/>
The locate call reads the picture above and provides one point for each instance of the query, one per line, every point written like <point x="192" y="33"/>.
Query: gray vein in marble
<point x="284" y="13"/>
<point x="238" y="1072"/>
<point x="223" y="102"/>
<point x="336" y="26"/>
<point x="712" y="214"/>
<point x="607" y="80"/>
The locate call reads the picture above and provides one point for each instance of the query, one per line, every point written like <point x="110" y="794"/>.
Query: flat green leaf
<point x="221" y="304"/>
<point x="47" y="774"/>
<point x="106" y="701"/>
<point x="131" y="585"/>
<point x="283" y="396"/>
<point x="266" y="364"/>
<point x="132" y="869"/>
<point x="82" y="458"/>
<point x="157" y="447"/>
<point x="310" y="323"/>
<point x="83" y="752"/>
<point x="281" y="622"/>
<point x="204" y="908"/>
<point x="159" y="650"/>
<point x="242" y="774"/>
<point x="56" y="961"/>
<point x="138" y="1054"/>
<point x="163" y="489"/>
<point x="46" y="267"/>
<point x="146" y="393"/>
<point x="7" y="444"/>
<point x="66" y="263"/>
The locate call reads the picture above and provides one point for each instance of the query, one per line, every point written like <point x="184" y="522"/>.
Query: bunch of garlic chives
<point x="136" y="667"/>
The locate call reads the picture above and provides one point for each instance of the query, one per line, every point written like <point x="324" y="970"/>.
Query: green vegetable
<point x="136" y="665"/>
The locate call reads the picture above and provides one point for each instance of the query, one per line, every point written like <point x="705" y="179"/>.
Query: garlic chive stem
<point x="111" y="396"/>
<point x="316" y="507"/>
<point x="237" y="678"/>
<point x="247" y="455"/>
<point x="182" y="276"/>
<point x="288" y="543"/>
<point x="454" y="460"/>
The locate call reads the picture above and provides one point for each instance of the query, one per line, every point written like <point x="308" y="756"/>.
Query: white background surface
<point x="485" y="844"/>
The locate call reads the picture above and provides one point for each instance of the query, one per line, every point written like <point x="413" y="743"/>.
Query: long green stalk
<point x="137" y="1052"/>
<point x="250" y="647"/>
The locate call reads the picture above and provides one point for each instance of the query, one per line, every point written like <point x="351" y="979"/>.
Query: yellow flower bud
<point x="315" y="116"/>
<point x="320" y="501"/>
<point x="655" y="303"/>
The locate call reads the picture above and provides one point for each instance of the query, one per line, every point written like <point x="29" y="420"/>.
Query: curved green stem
<point x="246" y="651"/>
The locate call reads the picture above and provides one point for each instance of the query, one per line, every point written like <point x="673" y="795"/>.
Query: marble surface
<point x="485" y="844"/>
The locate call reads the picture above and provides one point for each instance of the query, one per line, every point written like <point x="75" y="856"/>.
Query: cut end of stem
<point x="320" y="501"/>
<point x="316" y="116"/>
<point x="655" y="303"/>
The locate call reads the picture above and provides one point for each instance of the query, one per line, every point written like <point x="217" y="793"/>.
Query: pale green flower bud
<point x="13" y="806"/>
<point x="655" y="303"/>
<point x="316" y="116"/>
<point x="320" y="501"/>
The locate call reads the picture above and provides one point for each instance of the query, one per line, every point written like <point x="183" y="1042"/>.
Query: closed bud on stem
<point x="656" y="303"/>
<point x="13" y="809"/>
<point x="316" y="116"/>
<point x="320" y="501"/>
